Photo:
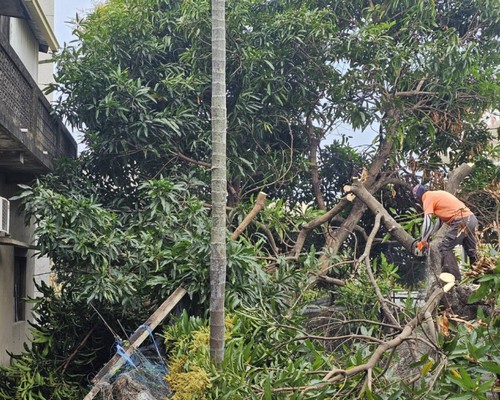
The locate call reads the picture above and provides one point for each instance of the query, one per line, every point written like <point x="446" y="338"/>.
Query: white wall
<point x="13" y="335"/>
<point x="25" y="45"/>
<point x="46" y="69"/>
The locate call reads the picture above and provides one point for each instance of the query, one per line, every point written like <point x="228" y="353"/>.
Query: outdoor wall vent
<point x="4" y="216"/>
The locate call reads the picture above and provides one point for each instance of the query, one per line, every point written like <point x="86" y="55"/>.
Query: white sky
<point x="64" y="12"/>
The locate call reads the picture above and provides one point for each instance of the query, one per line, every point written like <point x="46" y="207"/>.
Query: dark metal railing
<point x="26" y="121"/>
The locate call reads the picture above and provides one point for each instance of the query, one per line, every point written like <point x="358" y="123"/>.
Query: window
<point x="19" y="288"/>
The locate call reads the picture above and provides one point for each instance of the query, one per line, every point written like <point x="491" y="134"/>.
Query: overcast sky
<point x="64" y="12"/>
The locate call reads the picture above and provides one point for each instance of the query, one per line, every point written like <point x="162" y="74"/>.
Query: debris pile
<point x="141" y="378"/>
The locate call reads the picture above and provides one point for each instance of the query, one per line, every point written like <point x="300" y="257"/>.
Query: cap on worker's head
<point x="418" y="191"/>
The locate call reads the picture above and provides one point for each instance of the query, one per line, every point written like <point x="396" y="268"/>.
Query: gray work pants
<point x="462" y="231"/>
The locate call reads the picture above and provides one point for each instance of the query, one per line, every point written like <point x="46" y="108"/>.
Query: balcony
<point x="31" y="138"/>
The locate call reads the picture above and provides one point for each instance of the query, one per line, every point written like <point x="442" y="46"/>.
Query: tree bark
<point x="259" y="205"/>
<point x="375" y="207"/>
<point x="457" y="176"/>
<point x="314" y="142"/>
<point x="335" y="240"/>
<point x="340" y="235"/>
<point x="218" y="259"/>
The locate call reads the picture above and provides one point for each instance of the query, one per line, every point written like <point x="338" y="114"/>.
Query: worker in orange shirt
<point x="462" y="222"/>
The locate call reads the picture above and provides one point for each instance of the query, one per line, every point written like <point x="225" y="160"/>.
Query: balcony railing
<point x="31" y="138"/>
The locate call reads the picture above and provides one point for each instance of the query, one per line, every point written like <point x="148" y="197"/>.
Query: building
<point x="492" y="121"/>
<point x="31" y="139"/>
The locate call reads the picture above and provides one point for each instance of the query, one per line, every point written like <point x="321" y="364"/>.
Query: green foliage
<point x="67" y="343"/>
<point x="358" y="298"/>
<point x="116" y="257"/>
<point x="473" y="359"/>
<point x="262" y="353"/>
<point x="138" y="82"/>
<point x="122" y="238"/>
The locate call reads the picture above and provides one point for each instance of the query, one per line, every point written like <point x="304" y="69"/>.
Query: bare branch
<point x="366" y="256"/>
<point x="193" y="161"/>
<point x="314" y="142"/>
<point x="337" y="374"/>
<point x="259" y="205"/>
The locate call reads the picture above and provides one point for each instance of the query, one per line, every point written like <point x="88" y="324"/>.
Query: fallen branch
<point x="259" y="205"/>
<point x="327" y="279"/>
<point x="338" y="374"/>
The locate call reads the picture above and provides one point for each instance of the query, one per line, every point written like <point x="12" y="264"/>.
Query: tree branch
<point x="259" y="205"/>
<point x="307" y="228"/>
<point x="366" y="256"/>
<point x="314" y="142"/>
<point x="457" y="176"/>
<point x="337" y="374"/>
<point x="193" y="161"/>
<point x="376" y="208"/>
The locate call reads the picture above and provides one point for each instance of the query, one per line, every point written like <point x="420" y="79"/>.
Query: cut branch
<point x="338" y="374"/>
<point x="374" y="177"/>
<point x="259" y="205"/>
<point x="376" y="208"/>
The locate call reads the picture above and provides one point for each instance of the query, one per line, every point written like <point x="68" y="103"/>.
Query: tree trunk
<point x="340" y="235"/>
<point x="218" y="259"/>
<point x="314" y="143"/>
<point x="375" y="207"/>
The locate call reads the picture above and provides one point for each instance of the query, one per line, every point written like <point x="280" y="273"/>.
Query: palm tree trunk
<point x="218" y="260"/>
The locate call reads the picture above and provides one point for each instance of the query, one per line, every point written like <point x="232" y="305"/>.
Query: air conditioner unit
<point x="4" y="216"/>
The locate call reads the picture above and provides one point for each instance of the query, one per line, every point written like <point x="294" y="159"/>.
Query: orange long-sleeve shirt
<point x="444" y="205"/>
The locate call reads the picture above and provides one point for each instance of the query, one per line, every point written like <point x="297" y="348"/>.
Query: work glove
<point x="421" y="249"/>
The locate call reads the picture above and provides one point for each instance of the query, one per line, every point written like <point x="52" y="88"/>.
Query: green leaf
<point x="480" y="294"/>
<point x="491" y="366"/>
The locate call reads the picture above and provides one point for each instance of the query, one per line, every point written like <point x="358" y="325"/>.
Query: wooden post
<point x="135" y="340"/>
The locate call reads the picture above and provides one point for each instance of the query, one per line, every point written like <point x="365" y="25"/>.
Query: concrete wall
<point x="26" y="47"/>
<point x="13" y="334"/>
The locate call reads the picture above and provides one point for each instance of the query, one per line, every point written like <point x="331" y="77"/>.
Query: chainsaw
<point x="419" y="248"/>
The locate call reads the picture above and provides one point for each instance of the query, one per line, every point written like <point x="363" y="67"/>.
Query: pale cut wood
<point x="135" y="341"/>
<point x="259" y="205"/>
